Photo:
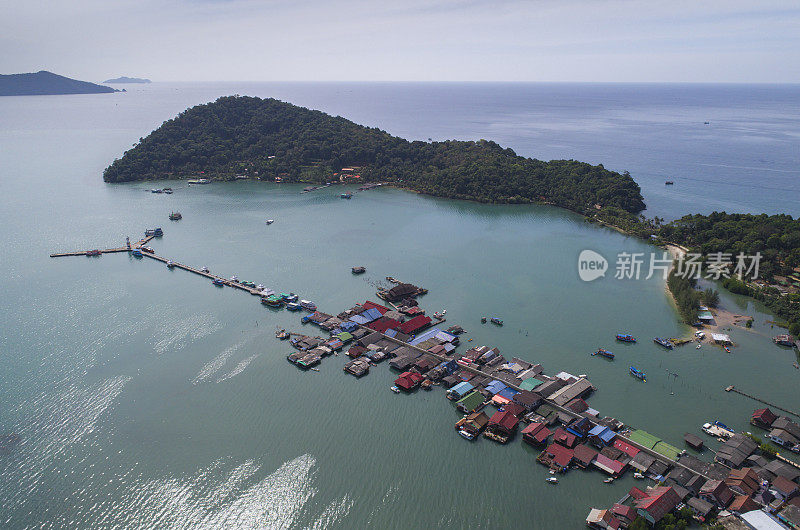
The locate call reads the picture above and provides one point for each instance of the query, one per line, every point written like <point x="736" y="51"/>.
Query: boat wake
<point x="238" y="369"/>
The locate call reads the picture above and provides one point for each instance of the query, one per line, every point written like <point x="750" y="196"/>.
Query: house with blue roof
<point x="460" y="390"/>
<point x="601" y="436"/>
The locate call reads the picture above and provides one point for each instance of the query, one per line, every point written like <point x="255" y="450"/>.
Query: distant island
<point x="45" y="83"/>
<point x="124" y="79"/>
<point x="268" y="139"/>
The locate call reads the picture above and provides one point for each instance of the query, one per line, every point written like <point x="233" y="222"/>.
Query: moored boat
<point x="158" y="232"/>
<point x="175" y="216"/>
<point x="496" y="321"/>
<point x="638" y="374"/>
<point x="625" y="338"/>
<point x="551" y="480"/>
<point x="282" y="334"/>
<point x="291" y="297"/>
<point x="604" y="353"/>
<point x="293" y="306"/>
<point x="235" y="278"/>
<point x="218" y="282"/>
<point x="205" y="269"/>
<point x="358" y="270"/>
<point x="346" y="196"/>
<point x="663" y="342"/>
<point x="94" y="252"/>
<point x="137" y="252"/>
<point x="170" y="264"/>
<point x="308" y="305"/>
<point x="272" y="301"/>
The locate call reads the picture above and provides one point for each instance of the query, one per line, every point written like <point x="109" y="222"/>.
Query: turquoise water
<point x="148" y="398"/>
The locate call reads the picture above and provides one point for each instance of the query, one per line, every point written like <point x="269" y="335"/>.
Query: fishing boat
<point x="251" y="285"/>
<point x="158" y="232"/>
<point x="205" y="269"/>
<point x="175" y="216"/>
<point x="170" y="263"/>
<point x="156" y="190"/>
<point x="483" y="320"/>
<point x="395" y="390"/>
<point x="149" y="232"/>
<point x="270" y="221"/>
<point x="218" y="282"/>
<point x="551" y="480"/>
<point x="137" y="252"/>
<point x="358" y="270"/>
<point x="638" y="475"/>
<point x="717" y="430"/>
<point x="234" y="278"/>
<point x="496" y="321"/>
<point x="293" y="306"/>
<point x="609" y="480"/>
<point x="291" y="297"/>
<point x="346" y="196"/>
<point x="272" y="301"/>
<point x="149" y="250"/>
<point x="669" y="183"/>
<point x="637" y="374"/>
<point x="727" y="350"/>
<point x="308" y="305"/>
<point x="625" y="338"/>
<point x="168" y="191"/>
<point x="663" y="342"/>
<point x="604" y="353"/>
<point x="282" y="334"/>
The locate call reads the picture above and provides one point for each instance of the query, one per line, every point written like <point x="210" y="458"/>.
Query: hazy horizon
<point x="412" y="41"/>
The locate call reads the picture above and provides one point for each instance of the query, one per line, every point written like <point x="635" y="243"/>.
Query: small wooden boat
<point x="625" y="338"/>
<point x="137" y="252"/>
<point x="219" y="282"/>
<point x="669" y="183"/>
<point x="728" y="350"/>
<point x="282" y="334"/>
<point x="551" y="480"/>
<point x="346" y="196"/>
<point x="358" y="270"/>
<point x="496" y="321"/>
<point x="395" y="390"/>
<point x="483" y="320"/>
<point x="175" y="216"/>
<point x="609" y="480"/>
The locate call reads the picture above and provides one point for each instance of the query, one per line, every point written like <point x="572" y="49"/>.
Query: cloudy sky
<point x="387" y="40"/>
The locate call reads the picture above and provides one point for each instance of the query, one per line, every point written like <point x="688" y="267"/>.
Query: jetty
<point x="96" y="252"/>
<point x="732" y="388"/>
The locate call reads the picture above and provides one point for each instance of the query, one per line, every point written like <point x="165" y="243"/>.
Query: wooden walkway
<point x="732" y="388"/>
<point x="138" y="244"/>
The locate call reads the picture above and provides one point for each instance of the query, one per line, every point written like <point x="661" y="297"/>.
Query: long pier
<point x="441" y="358"/>
<point x="138" y="244"/>
<point x="732" y="388"/>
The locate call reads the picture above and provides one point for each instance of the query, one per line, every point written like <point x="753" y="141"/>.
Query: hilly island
<point x="267" y="138"/>
<point x="44" y="83"/>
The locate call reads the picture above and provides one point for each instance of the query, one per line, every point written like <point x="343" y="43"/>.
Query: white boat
<point x="609" y="480"/>
<point x="270" y="221"/>
<point x="551" y="480"/>
<point x="205" y="269"/>
<point x="638" y="475"/>
<point x="234" y="278"/>
<point x="395" y="390"/>
<point x="698" y="346"/>
<point x="260" y="287"/>
<point x="170" y="263"/>
<point x="718" y="430"/>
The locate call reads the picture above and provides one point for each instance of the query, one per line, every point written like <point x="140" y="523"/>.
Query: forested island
<point x="45" y="83"/>
<point x="267" y="138"/>
<point x="123" y="79"/>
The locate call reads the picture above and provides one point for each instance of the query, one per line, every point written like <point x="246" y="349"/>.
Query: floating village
<point x="507" y="399"/>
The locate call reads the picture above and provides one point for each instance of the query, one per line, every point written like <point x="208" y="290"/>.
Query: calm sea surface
<point x="147" y="398"/>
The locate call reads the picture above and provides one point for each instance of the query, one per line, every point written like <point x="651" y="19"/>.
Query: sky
<point x="405" y="40"/>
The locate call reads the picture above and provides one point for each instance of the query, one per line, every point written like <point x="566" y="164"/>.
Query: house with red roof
<point x="408" y="381"/>
<point x="557" y="457"/>
<point x="415" y="324"/>
<point x="658" y="503"/>
<point x="382" y="324"/>
<point x="502" y="426"/>
<point x="614" y="468"/>
<point x="567" y="439"/>
<point x="626" y="448"/>
<point x="763" y="418"/>
<point x="623" y="512"/>
<point x="372" y="305"/>
<point x="536" y="433"/>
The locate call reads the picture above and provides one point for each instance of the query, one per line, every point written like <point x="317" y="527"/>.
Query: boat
<point x="282" y="334"/>
<point x="291" y="297"/>
<point x="669" y="183"/>
<point x="293" y="306"/>
<point x="609" y="480"/>
<point x="260" y="287"/>
<point x="149" y="250"/>
<point x="625" y="338"/>
<point x="638" y="475"/>
<point x="495" y="320"/>
<point x="698" y="346"/>
<point x="727" y="350"/>
<point x="663" y="342"/>
<point x="705" y="123"/>
<point x="175" y="216"/>
<point x="346" y="196"/>
<point x="717" y="430"/>
<point x="272" y="301"/>
<point x="270" y="221"/>
<point x="551" y="480"/>
<point x="156" y="190"/>
<point x="395" y="390"/>
<point x="358" y="270"/>
<point x="218" y="282"/>
<point x="639" y="375"/>
<point x="158" y="232"/>
<point x="170" y="263"/>
<point x="483" y="320"/>
<point x="149" y="232"/>
<point x="234" y="278"/>
<point x="137" y="252"/>
<point x="308" y="305"/>
<point x="604" y="353"/>
<point x="95" y="252"/>
<point x="168" y="191"/>
<point x="199" y="181"/>
<point x="205" y="269"/>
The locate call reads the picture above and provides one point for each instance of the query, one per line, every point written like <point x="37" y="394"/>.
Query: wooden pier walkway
<point x="732" y="388"/>
<point x="138" y="244"/>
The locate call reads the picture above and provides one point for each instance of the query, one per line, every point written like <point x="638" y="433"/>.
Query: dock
<point x="127" y="248"/>
<point x="732" y="388"/>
